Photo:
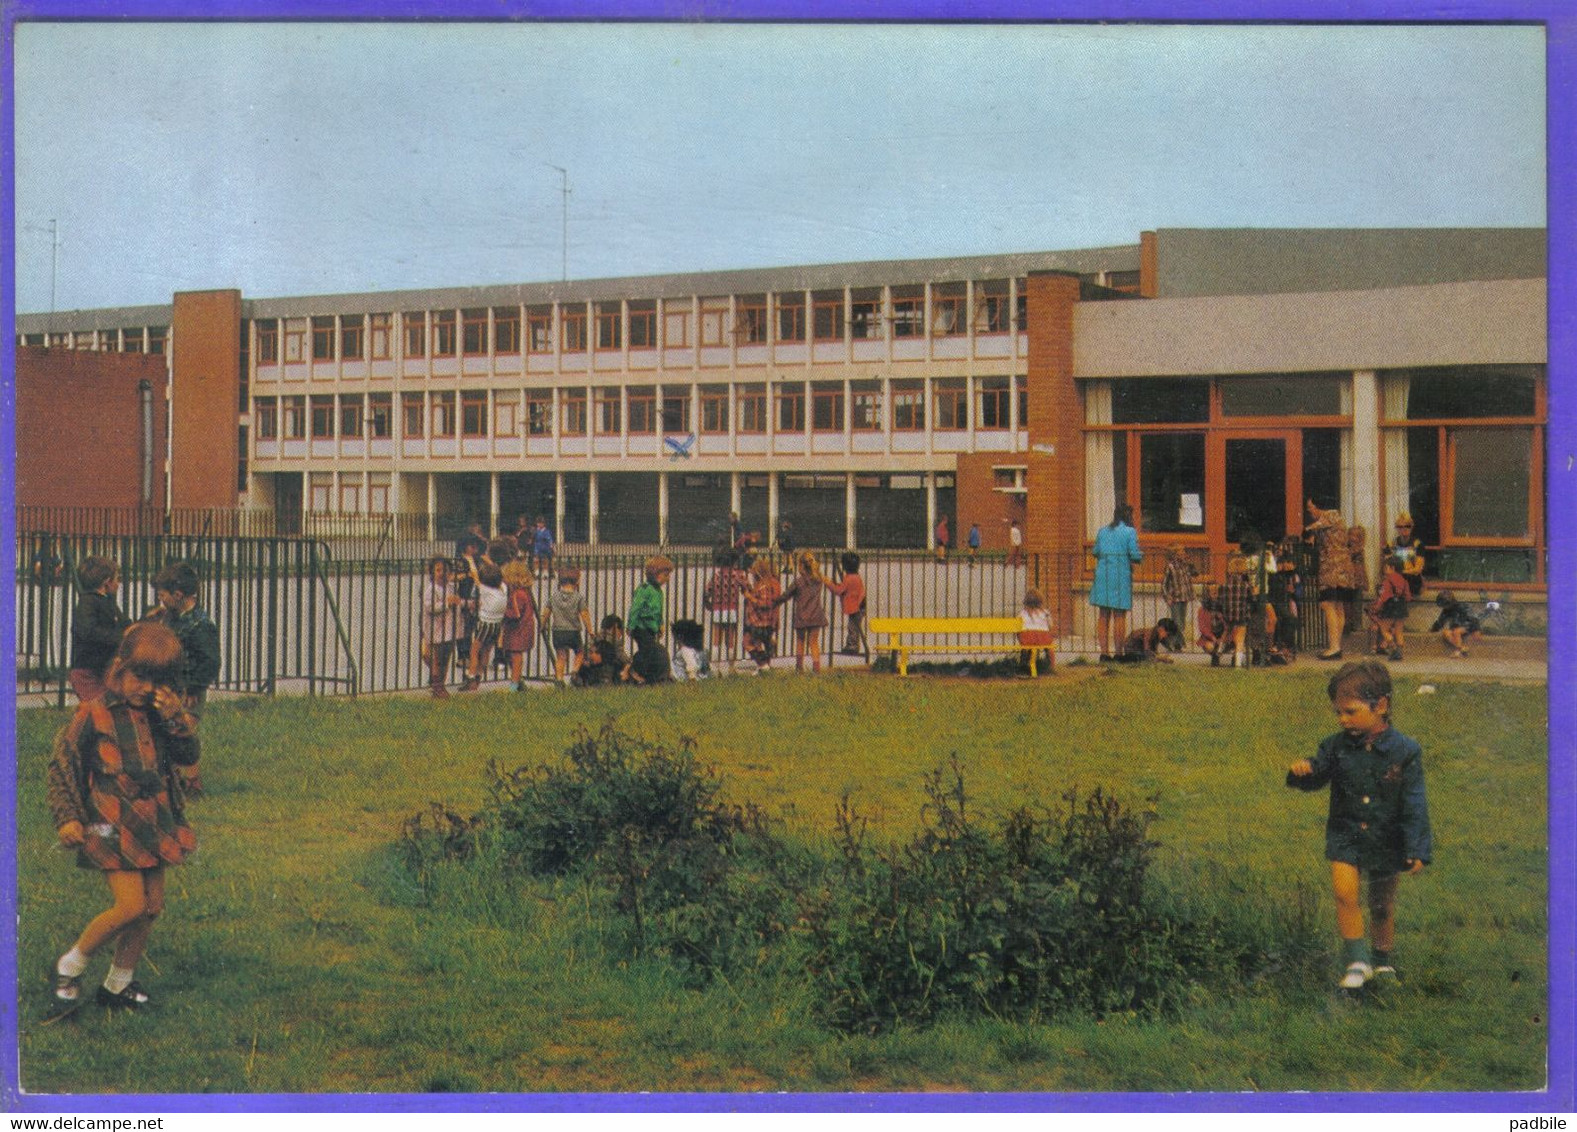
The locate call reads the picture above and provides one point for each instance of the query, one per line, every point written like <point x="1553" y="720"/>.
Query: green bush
<point x="1038" y="914"/>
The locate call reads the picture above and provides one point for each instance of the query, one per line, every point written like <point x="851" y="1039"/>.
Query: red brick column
<point x="1055" y="513"/>
<point x="205" y="374"/>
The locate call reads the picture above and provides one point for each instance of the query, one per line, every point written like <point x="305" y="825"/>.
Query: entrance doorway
<point x="1260" y="488"/>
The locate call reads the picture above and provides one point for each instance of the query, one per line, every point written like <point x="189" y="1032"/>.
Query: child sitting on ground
<point x="690" y="661"/>
<point x="1456" y="624"/>
<point x="1146" y="644"/>
<point x="1378" y="824"/>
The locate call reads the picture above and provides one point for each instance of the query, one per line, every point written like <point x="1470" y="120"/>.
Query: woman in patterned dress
<point x="115" y="798"/>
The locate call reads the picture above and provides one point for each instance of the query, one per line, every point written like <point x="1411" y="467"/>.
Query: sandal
<point x="68" y="988"/>
<point x="129" y="998"/>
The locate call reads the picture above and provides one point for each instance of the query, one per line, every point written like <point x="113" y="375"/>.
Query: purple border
<point x="1560" y="20"/>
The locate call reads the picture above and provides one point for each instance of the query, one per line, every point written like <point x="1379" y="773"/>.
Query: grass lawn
<point x="295" y="956"/>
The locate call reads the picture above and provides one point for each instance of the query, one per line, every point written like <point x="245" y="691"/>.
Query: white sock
<point x="71" y="964"/>
<point x="118" y="979"/>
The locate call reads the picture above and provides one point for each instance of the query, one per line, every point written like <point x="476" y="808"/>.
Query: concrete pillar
<point x="593" y="506"/>
<point x="662" y="508"/>
<point x="930" y="510"/>
<point x="848" y="510"/>
<point x="772" y="508"/>
<point x="492" y="502"/>
<point x="1367" y="489"/>
<point x="558" y="505"/>
<point x="432" y="507"/>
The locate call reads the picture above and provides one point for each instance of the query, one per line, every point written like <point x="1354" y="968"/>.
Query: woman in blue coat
<point x="1116" y="550"/>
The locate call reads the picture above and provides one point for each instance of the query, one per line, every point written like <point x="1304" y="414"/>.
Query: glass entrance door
<point x="1261" y="486"/>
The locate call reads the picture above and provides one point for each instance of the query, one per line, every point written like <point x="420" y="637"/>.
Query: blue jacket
<point x="1116" y="550"/>
<point x="1379" y="817"/>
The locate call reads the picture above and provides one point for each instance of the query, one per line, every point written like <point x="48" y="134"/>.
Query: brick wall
<point x="79" y="434"/>
<point x="205" y="341"/>
<point x="1055" y="513"/>
<point x="980" y="502"/>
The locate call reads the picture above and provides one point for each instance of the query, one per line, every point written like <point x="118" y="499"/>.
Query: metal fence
<point x="343" y="616"/>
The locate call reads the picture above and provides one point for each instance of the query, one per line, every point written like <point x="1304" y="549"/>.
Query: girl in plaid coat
<point x="115" y="798"/>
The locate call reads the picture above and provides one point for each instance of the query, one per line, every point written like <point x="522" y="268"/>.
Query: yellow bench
<point x="901" y="634"/>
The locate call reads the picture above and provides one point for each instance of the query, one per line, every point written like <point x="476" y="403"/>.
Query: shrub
<point x="1044" y="914"/>
<point x="1040" y="913"/>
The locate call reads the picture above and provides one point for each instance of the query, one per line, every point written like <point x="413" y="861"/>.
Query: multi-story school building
<point x="1214" y="379"/>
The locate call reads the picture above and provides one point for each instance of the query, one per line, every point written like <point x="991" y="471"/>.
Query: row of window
<point x="827" y="316"/>
<point x="644" y="410"/>
<point x="126" y="340"/>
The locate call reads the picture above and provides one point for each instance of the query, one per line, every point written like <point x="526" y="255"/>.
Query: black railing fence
<point x="342" y="614"/>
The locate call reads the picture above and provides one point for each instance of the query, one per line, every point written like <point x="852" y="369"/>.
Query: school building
<point x="1214" y="379"/>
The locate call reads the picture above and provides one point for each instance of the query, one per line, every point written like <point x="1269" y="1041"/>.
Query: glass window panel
<point x="1161" y="400"/>
<point x="1491" y="472"/>
<point x="1171" y="465"/>
<point x="1473" y="391"/>
<point x="1290" y="395"/>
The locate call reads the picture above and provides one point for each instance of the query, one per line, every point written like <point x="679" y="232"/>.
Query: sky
<point x="311" y="158"/>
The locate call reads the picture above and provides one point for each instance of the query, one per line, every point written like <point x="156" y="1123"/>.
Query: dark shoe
<point x="68" y="988"/>
<point x="1215" y="660"/>
<point x="129" y="999"/>
<point x="440" y="693"/>
<point x="1106" y="658"/>
<point x="1337" y="655"/>
<point x="1396" y="654"/>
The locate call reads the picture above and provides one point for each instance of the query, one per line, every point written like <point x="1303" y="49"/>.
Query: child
<point x="851" y="598"/>
<point x="1211" y="625"/>
<point x="611" y="637"/>
<point x="690" y="661"/>
<point x="1177" y="584"/>
<point x="1262" y="569"/>
<point x="1286" y="594"/>
<point x="112" y="796"/>
<point x="1237" y="607"/>
<point x="542" y="546"/>
<point x="492" y="602"/>
<point x="463" y="575"/>
<point x="973" y="539"/>
<point x="595" y="669"/>
<point x="1456" y="625"/>
<point x="650" y="664"/>
<point x="97" y="625"/>
<point x="1146" y="644"/>
<point x="567" y="615"/>
<point x="1411" y="552"/>
<point x="1389" y="608"/>
<point x="810" y="615"/>
<point x="1035" y="633"/>
<point x="761" y="618"/>
<point x="1015" y="543"/>
<point x="519" y="630"/>
<point x="723" y="590"/>
<point x="441" y="603"/>
<point x="176" y="588"/>
<point x="1379" y="818"/>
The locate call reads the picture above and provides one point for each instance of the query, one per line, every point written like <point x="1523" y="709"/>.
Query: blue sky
<point x="297" y="158"/>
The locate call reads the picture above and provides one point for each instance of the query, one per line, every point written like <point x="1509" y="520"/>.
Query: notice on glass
<point x="1190" y="513"/>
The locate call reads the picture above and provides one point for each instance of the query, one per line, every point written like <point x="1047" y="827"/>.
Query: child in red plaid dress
<point x="115" y="799"/>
